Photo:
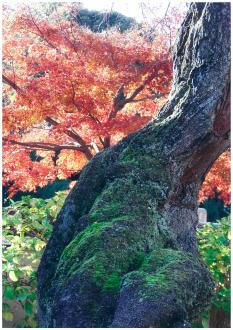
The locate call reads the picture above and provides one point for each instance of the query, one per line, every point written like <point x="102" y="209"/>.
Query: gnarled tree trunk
<point x="123" y="251"/>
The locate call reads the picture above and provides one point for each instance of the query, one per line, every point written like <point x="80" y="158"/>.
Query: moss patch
<point x="112" y="283"/>
<point x="167" y="272"/>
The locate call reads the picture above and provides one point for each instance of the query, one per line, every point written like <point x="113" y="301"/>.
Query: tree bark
<point x="219" y="318"/>
<point x="123" y="250"/>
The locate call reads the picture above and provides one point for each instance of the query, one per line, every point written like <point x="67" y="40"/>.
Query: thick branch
<point x="44" y="145"/>
<point x="84" y="147"/>
<point x="74" y="136"/>
<point x="121" y="100"/>
<point x="11" y="83"/>
<point x="150" y="97"/>
<point x="53" y="122"/>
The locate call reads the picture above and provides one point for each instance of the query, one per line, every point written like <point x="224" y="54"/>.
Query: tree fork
<point x="123" y="251"/>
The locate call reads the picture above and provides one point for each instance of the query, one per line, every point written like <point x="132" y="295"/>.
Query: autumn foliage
<point x="218" y="180"/>
<point x="69" y="93"/>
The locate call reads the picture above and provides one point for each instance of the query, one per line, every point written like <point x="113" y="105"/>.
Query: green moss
<point x="112" y="283"/>
<point x="165" y="273"/>
<point x="82" y="247"/>
<point x="137" y="261"/>
<point x="96" y="270"/>
<point x="148" y="165"/>
<point x="130" y="156"/>
<point x="104" y="213"/>
<point x="125" y="225"/>
<point x="161" y="258"/>
<point x="129" y="197"/>
<point x="105" y="251"/>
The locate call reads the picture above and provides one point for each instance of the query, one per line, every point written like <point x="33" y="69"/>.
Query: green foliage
<point x="27" y="225"/>
<point x="214" y="245"/>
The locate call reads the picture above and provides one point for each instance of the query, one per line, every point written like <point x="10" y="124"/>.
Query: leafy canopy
<point x="69" y="92"/>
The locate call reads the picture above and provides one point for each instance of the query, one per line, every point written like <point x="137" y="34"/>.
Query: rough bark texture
<point x="123" y="251"/>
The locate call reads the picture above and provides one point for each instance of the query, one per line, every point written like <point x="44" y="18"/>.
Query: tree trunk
<point x="219" y="318"/>
<point x="123" y="250"/>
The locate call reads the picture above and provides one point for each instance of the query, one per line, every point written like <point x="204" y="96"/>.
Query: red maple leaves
<point x="70" y="93"/>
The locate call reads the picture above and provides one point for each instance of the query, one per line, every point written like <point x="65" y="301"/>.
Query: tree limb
<point x="121" y="100"/>
<point x="150" y="97"/>
<point x="45" y="146"/>
<point x="75" y="136"/>
<point x="11" y="83"/>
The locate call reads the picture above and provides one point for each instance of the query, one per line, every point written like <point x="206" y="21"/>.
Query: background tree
<point x="123" y="250"/>
<point x="218" y="180"/>
<point x="70" y="93"/>
<point x="76" y="83"/>
<point x="99" y="22"/>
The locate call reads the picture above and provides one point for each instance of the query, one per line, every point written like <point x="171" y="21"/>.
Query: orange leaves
<point x="24" y="174"/>
<point x="73" y="70"/>
<point x="69" y="162"/>
<point x="218" y="180"/>
<point x="73" y="76"/>
<point x="124" y="124"/>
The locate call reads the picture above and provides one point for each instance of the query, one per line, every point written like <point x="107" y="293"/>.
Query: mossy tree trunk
<point x="123" y="251"/>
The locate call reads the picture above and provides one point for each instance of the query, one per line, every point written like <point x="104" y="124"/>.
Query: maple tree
<point x="70" y="93"/>
<point x="218" y="180"/>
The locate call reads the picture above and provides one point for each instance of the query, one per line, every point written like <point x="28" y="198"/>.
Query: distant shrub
<point x="27" y="226"/>
<point x="214" y="246"/>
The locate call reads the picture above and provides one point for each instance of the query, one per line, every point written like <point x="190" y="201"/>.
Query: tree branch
<point x="143" y="85"/>
<point x="150" y="97"/>
<point x="120" y="100"/>
<point x="75" y="136"/>
<point x="11" y="83"/>
<point x="53" y="122"/>
<point x="45" y="146"/>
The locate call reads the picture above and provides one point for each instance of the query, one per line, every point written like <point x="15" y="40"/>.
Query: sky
<point x="128" y="8"/>
<point x="132" y="8"/>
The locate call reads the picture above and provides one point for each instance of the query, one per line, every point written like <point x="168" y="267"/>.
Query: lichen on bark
<point x="123" y="251"/>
